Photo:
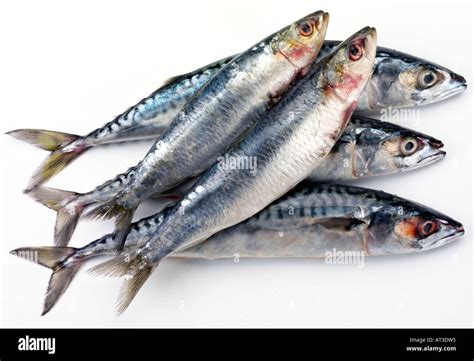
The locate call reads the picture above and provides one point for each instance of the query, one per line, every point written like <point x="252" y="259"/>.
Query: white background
<point x="72" y="66"/>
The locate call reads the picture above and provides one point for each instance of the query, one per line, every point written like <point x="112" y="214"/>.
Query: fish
<point x="288" y="142"/>
<point x="368" y="147"/>
<point x="308" y="222"/>
<point x="399" y="80"/>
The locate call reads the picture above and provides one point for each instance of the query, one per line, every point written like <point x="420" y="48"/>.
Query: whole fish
<point x="399" y="80"/>
<point x="288" y="143"/>
<point x="367" y="147"/>
<point x="309" y="221"/>
<point x="237" y="96"/>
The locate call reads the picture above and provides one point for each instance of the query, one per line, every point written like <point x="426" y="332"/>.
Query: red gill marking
<point x="347" y="113"/>
<point x="297" y="52"/>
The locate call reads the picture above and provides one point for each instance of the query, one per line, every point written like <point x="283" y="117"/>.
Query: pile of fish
<point x="246" y="152"/>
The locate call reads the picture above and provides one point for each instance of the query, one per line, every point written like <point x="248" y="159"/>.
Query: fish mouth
<point x="457" y="232"/>
<point x="449" y="93"/>
<point x="440" y="154"/>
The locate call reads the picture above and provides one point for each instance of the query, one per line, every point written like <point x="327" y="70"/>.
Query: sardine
<point x="309" y="221"/>
<point x="399" y="80"/>
<point x="288" y="143"/>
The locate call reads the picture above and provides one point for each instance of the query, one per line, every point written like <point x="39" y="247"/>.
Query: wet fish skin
<point x="369" y="147"/>
<point x="309" y="221"/>
<point x="288" y="142"/>
<point x="397" y="82"/>
<point x="154" y="113"/>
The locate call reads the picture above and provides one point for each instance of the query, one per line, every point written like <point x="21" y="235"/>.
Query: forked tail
<point x="60" y="261"/>
<point x="68" y="209"/>
<point x="64" y="149"/>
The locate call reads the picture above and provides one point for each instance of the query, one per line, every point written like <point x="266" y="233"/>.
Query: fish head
<point x="406" y="150"/>
<point x="405" y="227"/>
<point x="350" y="65"/>
<point x="402" y="80"/>
<point x="428" y="83"/>
<point x="300" y="42"/>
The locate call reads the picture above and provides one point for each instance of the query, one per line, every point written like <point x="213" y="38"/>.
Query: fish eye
<point x="426" y="228"/>
<point x="427" y="78"/>
<point x="306" y="28"/>
<point x="408" y="146"/>
<point x="355" y="51"/>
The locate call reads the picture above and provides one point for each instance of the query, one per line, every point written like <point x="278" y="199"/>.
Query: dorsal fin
<point x="180" y="77"/>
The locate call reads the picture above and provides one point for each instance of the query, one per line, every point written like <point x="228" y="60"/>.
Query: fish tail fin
<point x="43" y="139"/>
<point x="64" y="149"/>
<point x="53" y="258"/>
<point x="123" y="218"/>
<point x="68" y="214"/>
<point x="52" y="165"/>
<point x="135" y="271"/>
